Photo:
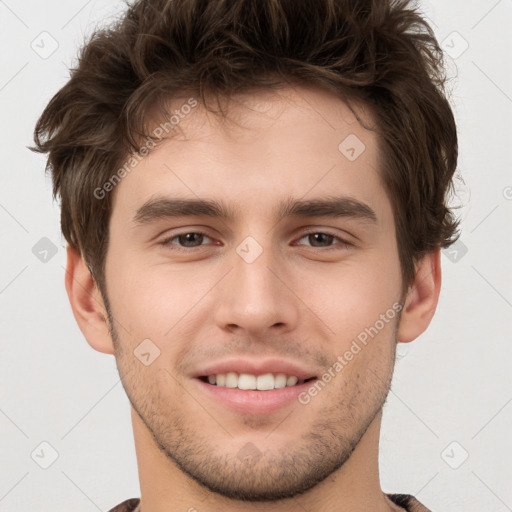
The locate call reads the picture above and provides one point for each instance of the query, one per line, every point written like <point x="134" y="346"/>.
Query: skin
<point x="303" y="300"/>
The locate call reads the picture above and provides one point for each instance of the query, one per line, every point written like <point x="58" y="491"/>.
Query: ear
<point x="87" y="303"/>
<point x="422" y="297"/>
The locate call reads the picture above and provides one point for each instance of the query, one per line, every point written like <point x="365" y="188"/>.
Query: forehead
<point x="271" y="144"/>
<point x="306" y="112"/>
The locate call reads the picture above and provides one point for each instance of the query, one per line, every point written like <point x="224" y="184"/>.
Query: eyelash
<point x="167" y="241"/>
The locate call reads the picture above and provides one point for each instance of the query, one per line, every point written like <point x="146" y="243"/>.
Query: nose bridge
<point x="254" y="279"/>
<point x="254" y="297"/>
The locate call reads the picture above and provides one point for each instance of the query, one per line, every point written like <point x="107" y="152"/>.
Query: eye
<point x="321" y="239"/>
<point x="196" y="239"/>
<point x="190" y="239"/>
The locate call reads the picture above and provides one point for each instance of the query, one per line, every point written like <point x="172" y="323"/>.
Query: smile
<point x="247" y="381"/>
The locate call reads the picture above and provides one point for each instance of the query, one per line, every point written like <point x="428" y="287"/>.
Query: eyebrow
<point x="169" y="207"/>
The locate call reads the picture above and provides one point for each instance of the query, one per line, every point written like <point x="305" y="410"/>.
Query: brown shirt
<point x="406" y="501"/>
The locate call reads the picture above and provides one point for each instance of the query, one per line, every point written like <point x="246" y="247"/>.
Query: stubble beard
<point x="265" y="475"/>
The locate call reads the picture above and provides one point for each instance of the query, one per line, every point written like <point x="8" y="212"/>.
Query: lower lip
<point x="252" y="401"/>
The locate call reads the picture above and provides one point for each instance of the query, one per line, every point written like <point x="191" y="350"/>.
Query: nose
<point x="257" y="297"/>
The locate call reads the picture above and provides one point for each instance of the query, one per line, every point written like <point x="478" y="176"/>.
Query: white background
<point x="452" y="385"/>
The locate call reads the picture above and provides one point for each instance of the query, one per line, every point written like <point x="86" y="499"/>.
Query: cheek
<point x="150" y="300"/>
<point x="353" y="297"/>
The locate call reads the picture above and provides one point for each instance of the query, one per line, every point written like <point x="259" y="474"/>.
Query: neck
<point x="355" y="486"/>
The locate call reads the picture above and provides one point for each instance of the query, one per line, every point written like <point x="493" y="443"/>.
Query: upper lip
<point x="256" y="367"/>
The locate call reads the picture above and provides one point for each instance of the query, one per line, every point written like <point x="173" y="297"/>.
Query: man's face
<point x="258" y="293"/>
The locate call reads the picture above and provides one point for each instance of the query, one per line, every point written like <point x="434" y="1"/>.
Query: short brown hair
<point x="378" y="52"/>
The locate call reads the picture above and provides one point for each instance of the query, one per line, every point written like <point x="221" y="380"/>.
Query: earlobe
<point x="422" y="297"/>
<point x="87" y="303"/>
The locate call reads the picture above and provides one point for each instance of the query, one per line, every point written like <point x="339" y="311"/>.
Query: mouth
<point x="252" y="382"/>
<point x="252" y="394"/>
<point x="250" y="386"/>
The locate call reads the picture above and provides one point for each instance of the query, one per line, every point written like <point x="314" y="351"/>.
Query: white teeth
<point x="265" y="382"/>
<point x="231" y="380"/>
<point x="280" y="381"/>
<point x="247" y="381"/>
<point x="291" y="381"/>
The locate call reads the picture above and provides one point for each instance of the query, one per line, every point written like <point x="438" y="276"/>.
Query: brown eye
<point x="189" y="239"/>
<point x="320" y="239"/>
